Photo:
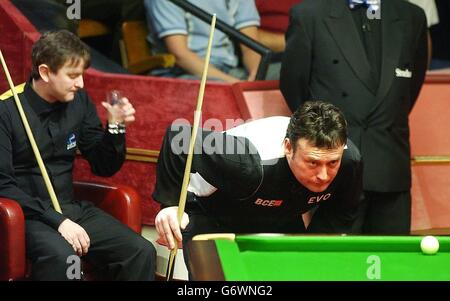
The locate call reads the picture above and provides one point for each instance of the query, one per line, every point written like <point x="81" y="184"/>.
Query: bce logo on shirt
<point x="268" y="203"/>
<point x="71" y="142"/>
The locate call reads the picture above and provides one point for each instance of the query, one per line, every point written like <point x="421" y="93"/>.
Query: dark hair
<point x="321" y="123"/>
<point x="56" y="48"/>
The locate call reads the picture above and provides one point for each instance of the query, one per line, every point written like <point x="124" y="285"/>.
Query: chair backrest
<point x="260" y="99"/>
<point x="90" y="28"/>
<point x="135" y="50"/>
<point x="275" y="14"/>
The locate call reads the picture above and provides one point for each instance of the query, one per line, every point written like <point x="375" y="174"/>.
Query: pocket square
<point x="403" y="73"/>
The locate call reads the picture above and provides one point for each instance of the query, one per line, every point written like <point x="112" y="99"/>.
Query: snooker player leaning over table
<point x="260" y="177"/>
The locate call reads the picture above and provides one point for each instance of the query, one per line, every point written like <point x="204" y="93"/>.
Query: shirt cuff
<point x="52" y="218"/>
<point x="117" y="140"/>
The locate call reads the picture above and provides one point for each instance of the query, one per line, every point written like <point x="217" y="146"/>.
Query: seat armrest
<point x="121" y="201"/>
<point x="12" y="241"/>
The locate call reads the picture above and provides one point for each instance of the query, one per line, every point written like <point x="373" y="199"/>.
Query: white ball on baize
<point x="429" y="245"/>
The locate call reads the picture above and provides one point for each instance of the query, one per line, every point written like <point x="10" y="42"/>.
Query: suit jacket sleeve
<point x="420" y="60"/>
<point x="296" y="63"/>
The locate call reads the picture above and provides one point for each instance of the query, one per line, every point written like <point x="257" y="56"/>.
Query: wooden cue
<point x="187" y="170"/>
<point x="37" y="154"/>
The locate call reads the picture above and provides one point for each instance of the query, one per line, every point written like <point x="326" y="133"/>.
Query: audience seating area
<point x="160" y="101"/>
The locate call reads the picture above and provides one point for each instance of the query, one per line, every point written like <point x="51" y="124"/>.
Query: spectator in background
<point x="274" y="22"/>
<point x="175" y="31"/>
<point x="372" y="69"/>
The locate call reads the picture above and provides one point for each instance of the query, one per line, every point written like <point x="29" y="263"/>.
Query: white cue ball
<point x="429" y="245"/>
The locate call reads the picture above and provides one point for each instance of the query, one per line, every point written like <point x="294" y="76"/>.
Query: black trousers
<point x="115" y="249"/>
<point x="384" y="213"/>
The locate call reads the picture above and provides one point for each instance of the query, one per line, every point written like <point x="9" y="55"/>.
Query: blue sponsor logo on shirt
<point x="71" y="142"/>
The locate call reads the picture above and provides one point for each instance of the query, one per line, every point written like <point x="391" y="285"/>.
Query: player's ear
<point x="288" y="151"/>
<point x="44" y="72"/>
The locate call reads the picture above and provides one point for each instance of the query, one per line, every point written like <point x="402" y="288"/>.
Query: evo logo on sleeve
<point x="71" y="142"/>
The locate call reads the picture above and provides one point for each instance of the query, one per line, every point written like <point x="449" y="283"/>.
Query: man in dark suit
<point x="369" y="58"/>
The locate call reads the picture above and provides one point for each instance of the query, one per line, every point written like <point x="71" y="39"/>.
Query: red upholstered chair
<point x="121" y="201"/>
<point x="260" y="99"/>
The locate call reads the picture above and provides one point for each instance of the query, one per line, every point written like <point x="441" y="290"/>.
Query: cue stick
<point x="37" y="154"/>
<point x="187" y="170"/>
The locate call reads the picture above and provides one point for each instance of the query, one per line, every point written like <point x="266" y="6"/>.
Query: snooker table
<point x="276" y="257"/>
